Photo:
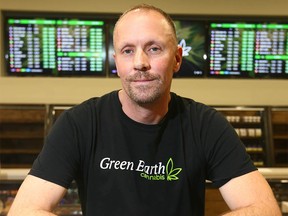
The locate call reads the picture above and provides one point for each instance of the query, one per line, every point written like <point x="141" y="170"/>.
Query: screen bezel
<point x="247" y="20"/>
<point x="110" y="18"/>
<point x="48" y="15"/>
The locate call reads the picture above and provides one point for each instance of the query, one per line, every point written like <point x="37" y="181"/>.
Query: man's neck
<point x="151" y="113"/>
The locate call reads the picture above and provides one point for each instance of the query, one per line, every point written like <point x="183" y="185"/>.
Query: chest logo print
<point x="156" y="172"/>
<point x="171" y="173"/>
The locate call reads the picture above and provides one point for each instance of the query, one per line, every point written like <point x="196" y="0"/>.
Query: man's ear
<point x="114" y="57"/>
<point x="178" y="59"/>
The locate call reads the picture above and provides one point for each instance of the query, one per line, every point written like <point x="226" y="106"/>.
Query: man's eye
<point x="154" y="49"/>
<point x="127" y="51"/>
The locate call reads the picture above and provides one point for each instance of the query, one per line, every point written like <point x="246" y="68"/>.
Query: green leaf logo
<point x="171" y="172"/>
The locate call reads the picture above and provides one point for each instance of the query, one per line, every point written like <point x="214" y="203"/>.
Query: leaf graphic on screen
<point x="186" y="49"/>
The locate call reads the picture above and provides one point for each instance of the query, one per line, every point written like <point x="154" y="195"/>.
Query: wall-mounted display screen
<point x="191" y="37"/>
<point x="48" y="45"/>
<point x="248" y="49"/>
<point x="71" y="44"/>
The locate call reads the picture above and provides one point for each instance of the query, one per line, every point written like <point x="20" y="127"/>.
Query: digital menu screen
<point x="248" y="50"/>
<point x="54" y="44"/>
<point x="48" y="46"/>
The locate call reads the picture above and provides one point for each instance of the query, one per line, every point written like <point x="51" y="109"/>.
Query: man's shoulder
<point x="190" y="103"/>
<point x="95" y="101"/>
<point x="91" y="105"/>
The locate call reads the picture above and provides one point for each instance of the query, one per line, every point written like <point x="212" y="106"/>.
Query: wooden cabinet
<point x="279" y="124"/>
<point x="214" y="203"/>
<point x="21" y="134"/>
<point x="53" y="112"/>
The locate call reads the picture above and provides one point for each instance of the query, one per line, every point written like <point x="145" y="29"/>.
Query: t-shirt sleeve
<point x="225" y="153"/>
<point x="58" y="161"/>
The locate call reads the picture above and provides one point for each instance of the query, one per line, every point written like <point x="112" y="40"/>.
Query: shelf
<point x="19" y="166"/>
<point x="285" y="137"/>
<point x="280" y="117"/>
<point x="20" y="151"/>
<point x="22" y="115"/>
<point x="255" y="151"/>
<point x="22" y="135"/>
<point x="281" y="151"/>
<point x="259" y="164"/>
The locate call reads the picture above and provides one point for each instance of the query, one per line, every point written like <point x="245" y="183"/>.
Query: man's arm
<point x="36" y="197"/>
<point x="250" y="194"/>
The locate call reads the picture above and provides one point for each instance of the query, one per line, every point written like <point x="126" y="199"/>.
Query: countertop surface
<point x="267" y="172"/>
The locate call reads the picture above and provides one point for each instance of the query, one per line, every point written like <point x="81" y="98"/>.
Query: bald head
<point x="146" y="9"/>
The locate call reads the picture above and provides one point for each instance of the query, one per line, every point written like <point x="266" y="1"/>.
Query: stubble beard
<point x="144" y="94"/>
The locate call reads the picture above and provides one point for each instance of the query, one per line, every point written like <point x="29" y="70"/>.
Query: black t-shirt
<point x="123" y="167"/>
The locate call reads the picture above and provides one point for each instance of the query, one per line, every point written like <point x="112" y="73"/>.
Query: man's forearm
<point x="30" y="212"/>
<point x="255" y="211"/>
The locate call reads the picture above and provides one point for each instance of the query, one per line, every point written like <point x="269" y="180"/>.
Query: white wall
<point x="211" y="91"/>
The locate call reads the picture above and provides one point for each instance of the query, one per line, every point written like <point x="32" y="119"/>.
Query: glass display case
<point x="251" y="125"/>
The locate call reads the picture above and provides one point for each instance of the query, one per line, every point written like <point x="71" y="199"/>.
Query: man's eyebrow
<point x="151" y="42"/>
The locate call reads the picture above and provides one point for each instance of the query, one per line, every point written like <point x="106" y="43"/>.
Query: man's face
<point x="146" y="55"/>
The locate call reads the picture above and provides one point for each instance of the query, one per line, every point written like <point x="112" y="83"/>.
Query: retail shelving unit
<point x="263" y="130"/>
<point x="21" y="134"/>
<point x="250" y="123"/>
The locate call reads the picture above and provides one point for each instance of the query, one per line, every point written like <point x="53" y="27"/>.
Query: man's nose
<point x="141" y="61"/>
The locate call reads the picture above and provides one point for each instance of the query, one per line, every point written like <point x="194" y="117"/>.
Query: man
<point x="144" y="150"/>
